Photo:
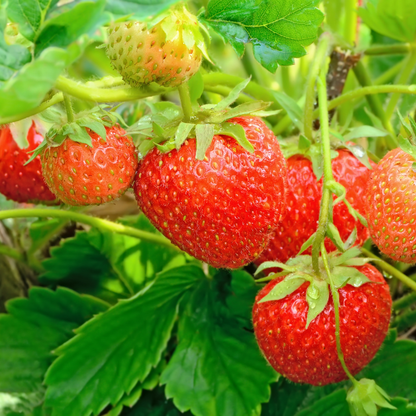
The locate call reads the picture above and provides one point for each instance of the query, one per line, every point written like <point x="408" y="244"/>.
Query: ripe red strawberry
<point x="84" y="175"/>
<point x="309" y="355"/>
<point x="18" y="182"/>
<point x="143" y="55"/>
<point x="391" y="206"/>
<point x="221" y="209"/>
<point x="303" y="202"/>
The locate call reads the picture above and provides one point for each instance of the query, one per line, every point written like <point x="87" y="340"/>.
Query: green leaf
<point x="317" y="296"/>
<point x="12" y="57"/>
<point x="27" y="89"/>
<point x="285" y="287"/>
<point x="291" y="107"/>
<point x="182" y="133"/>
<point x="33" y="328"/>
<point x="278" y="29"/>
<point x="204" y="135"/>
<point x="396" y="20"/>
<point x="27" y="14"/>
<point x="217" y="368"/>
<point x="116" y="350"/>
<point x="140" y="9"/>
<point x="67" y="27"/>
<point x="330" y="405"/>
<point x="237" y="132"/>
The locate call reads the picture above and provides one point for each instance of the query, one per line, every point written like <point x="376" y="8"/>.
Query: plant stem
<point x="364" y="79"/>
<point x="403" y="79"/>
<point x="404" y="302"/>
<point x="390" y="269"/>
<point x="335" y="299"/>
<point x="83" y="92"/>
<point x="185" y="101"/>
<point x="362" y="92"/>
<point x="326" y="153"/>
<point x="350" y="22"/>
<point x="320" y="55"/>
<point x="395" y="49"/>
<point x="11" y="252"/>
<point x="389" y="74"/>
<point x="99" y="223"/>
<point x="106" y="82"/>
<point x="68" y="107"/>
<point x="57" y="98"/>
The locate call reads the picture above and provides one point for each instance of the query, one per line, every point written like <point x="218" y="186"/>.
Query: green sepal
<point x="182" y="133"/>
<point x="317" y="296"/>
<point x="19" y="130"/>
<point x="287" y="286"/>
<point x="351" y="239"/>
<point x="364" y="397"/>
<point x="308" y="243"/>
<point x="406" y="146"/>
<point x="348" y="275"/>
<point x="304" y="142"/>
<point x="237" y="132"/>
<point x="204" y="134"/>
<point x="274" y="264"/>
<point x="232" y="96"/>
<point x="333" y="233"/>
<point x="359" y="153"/>
<point x="347" y="255"/>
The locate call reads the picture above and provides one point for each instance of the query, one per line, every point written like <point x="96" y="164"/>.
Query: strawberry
<point x="223" y="208"/>
<point x="391" y="206"/>
<point x="143" y="54"/>
<point x="308" y="354"/>
<point x="84" y="175"/>
<point x="19" y="182"/>
<point x="303" y="202"/>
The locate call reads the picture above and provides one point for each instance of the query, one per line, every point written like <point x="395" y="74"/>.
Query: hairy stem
<point x="326" y="152"/>
<point x="68" y="108"/>
<point x="394" y="49"/>
<point x="335" y="298"/>
<point x="390" y="269"/>
<point x="100" y="95"/>
<point x="404" y="76"/>
<point x="362" y="92"/>
<point x="99" y="223"/>
<point x="320" y="55"/>
<point x="364" y="79"/>
<point x="185" y="101"/>
<point x="350" y="26"/>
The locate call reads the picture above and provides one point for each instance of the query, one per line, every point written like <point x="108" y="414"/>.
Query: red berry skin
<point x="222" y="209"/>
<point x="24" y="184"/>
<point x="309" y="355"/>
<point x="303" y="202"/>
<point x="391" y="206"/>
<point x="82" y="175"/>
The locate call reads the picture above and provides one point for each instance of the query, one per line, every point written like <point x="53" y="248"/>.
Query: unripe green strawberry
<point x="143" y="55"/>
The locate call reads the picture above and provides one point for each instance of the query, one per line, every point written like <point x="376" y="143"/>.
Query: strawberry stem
<point x="390" y="269"/>
<point x="69" y="109"/>
<point x="394" y="49"/>
<point x="328" y="177"/>
<point x="320" y="56"/>
<point x="87" y="219"/>
<point x="350" y="24"/>
<point x="186" y="102"/>
<point x="335" y="298"/>
<point x="11" y="252"/>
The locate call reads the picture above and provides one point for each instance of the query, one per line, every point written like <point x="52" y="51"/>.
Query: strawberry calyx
<point x="166" y="130"/>
<point x="299" y="270"/>
<point x="364" y="397"/>
<point x="408" y="144"/>
<point x="95" y="119"/>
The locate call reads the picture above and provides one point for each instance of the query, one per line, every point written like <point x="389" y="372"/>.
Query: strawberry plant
<point x="207" y="208"/>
